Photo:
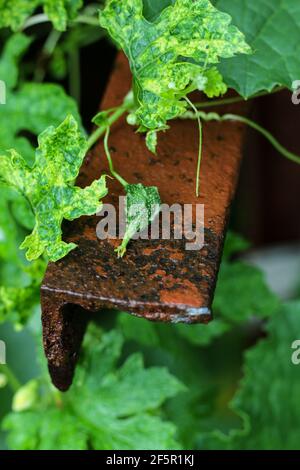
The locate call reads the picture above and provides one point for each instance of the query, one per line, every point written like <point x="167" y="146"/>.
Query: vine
<point x="175" y="58"/>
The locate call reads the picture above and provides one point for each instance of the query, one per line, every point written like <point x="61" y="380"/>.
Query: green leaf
<point x="60" y="11"/>
<point x="19" y="285"/>
<point x="13" y="50"/>
<point x="25" y="398"/>
<point x="49" y="187"/>
<point x="142" y="206"/>
<point x="13" y="13"/>
<point x="142" y="432"/>
<point x="168" y="57"/>
<point x="241" y="293"/>
<point x="214" y="85"/>
<point x="152" y="8"/>
<point x="126" y="398"/>
<point x="268" y="397"/>
<point x="272" y="29"/>
<point x="138" y="329"/>
<point x="31" y="109"/>
<point x="40" y="430"/>
<point x="151" y="141"/>
<point x="126" y="411"/>
<point x="101" y="118"/>
<point x="17" y="304"/>
<point x="234" y="245"/>
<point x="8" y="231"/>
<point x="58" y="66"/>
<point x="203" y="335"/>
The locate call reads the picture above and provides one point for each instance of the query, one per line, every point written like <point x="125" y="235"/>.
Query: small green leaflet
<point x="151" y="141"/>
<point x="13" y="13"/>
<point x="49" y="187"/>
<point x="101" y="118"/>
<point x="142" y="206"/>
<point x="170" y="56"/>
<point x="214" y="85"/>
<point x="272" y="29"/>
<point x="60" y="11"/>
<point x="142" y="203"/>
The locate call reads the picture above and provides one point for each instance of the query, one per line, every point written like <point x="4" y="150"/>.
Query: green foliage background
<point x="228" y="385"/>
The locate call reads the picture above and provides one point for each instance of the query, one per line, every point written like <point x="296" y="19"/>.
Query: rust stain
<point x="149" y="251"/>
<point x="183" y="294"/>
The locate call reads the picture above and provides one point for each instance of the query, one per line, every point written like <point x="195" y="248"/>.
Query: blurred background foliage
<point x="228" y="385"/>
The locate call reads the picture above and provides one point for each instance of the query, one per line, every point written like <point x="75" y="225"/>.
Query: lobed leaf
<point x="119" y="407"/>
<point x="168" y="57"/>
<point x="49" y="188"/>
<point x="272" y="30"/>
<point x="269" y="391"/>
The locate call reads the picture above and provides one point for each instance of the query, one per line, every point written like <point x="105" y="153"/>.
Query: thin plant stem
<point x="85" y="19"/>
<point x="42" y="18"/>
<point x="282" y="150"/>
<point x="236" y="99"/>
<point x="235" y="117"/>
<point x="51" y="42"/>
<point x="110" y="162"/>
<point x="200" y="147"/>
<point x="34" y="20"/>
<point x="100" y="131"/>
<point x="12" y="380"/>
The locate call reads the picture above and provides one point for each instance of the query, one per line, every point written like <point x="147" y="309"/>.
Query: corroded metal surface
<point x="157" y="279"/>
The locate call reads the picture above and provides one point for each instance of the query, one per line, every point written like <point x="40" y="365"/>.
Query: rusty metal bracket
<point x="157" y="279"/>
